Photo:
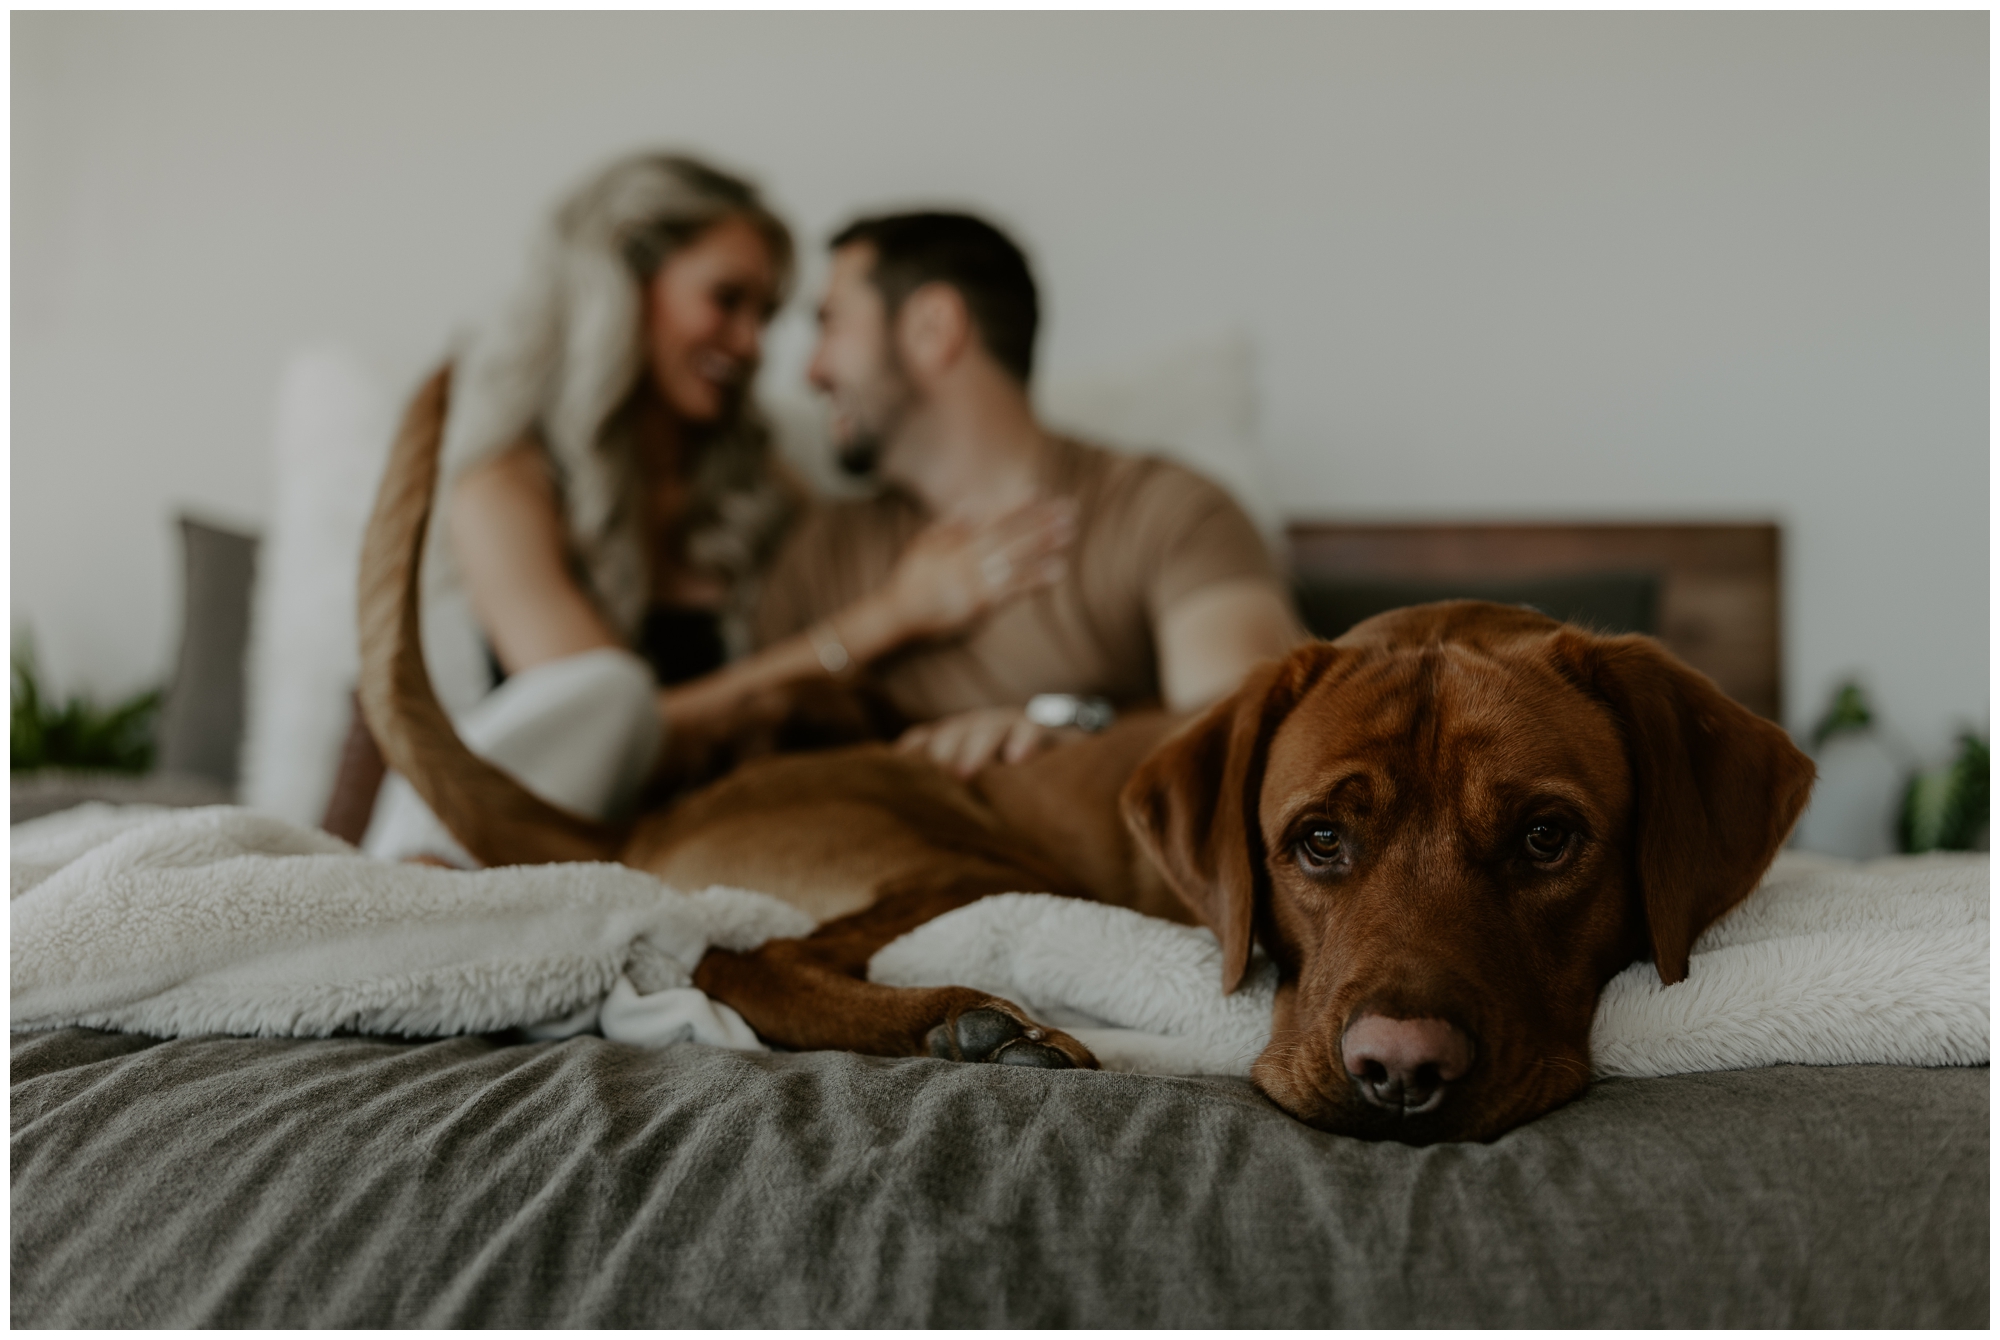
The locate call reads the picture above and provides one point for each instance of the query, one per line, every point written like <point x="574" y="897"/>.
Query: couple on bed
<point x="621" y="564"/>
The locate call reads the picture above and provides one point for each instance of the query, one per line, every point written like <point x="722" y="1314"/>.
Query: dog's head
<point x="1449" y="829"/>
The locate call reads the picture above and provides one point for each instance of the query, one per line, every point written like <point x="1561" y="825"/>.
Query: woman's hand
<point x="949" y="577"/>
<point x="953" y="574"/>
<point x="965" y="743"/>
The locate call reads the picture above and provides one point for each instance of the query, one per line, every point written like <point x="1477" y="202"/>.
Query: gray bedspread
<point x="368" y="1182"/>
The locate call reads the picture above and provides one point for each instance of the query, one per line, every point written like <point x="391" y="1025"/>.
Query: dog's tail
<point x="500" y="821"/>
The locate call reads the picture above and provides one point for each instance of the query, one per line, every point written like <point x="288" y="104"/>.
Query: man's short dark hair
<point x="972" y="256"/>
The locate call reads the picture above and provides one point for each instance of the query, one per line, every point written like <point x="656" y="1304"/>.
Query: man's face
<point x="855" y="363"/>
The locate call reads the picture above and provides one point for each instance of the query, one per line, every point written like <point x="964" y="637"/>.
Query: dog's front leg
<point x="811" y="994"/>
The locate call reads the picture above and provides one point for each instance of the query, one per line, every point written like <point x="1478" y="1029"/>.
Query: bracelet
<point x="833" y="657"/>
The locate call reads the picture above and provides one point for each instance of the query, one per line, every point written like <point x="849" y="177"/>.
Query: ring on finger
<point x="996" y="569"/>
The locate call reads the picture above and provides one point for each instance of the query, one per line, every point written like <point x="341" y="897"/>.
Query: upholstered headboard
<point x="1709" y="591"/>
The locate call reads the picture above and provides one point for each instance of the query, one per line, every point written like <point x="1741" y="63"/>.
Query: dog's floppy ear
<point x="1192" y="804"/>
<point x="1715" y="787"/>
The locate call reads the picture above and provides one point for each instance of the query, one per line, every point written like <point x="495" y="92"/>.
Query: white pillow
<point x="330" y="443"/>
<point x="1195" y="403"/>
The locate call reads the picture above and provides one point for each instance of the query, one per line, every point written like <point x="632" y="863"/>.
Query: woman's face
<point x="706" y="308"/>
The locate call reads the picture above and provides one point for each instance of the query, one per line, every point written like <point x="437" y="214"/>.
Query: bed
<point x="483" y="1181"/>
<point x="494" y="1180"/>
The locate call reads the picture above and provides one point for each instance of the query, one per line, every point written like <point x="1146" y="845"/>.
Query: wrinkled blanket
<point x="220" y="920"/>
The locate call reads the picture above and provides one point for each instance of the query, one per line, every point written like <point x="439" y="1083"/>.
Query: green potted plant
<point x="76" y="733"/>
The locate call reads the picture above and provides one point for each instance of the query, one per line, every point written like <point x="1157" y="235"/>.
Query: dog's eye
<point x="1546" y="842"/>
<point x="1320" y="846"/>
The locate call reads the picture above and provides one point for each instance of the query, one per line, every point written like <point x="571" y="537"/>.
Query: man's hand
<point x="965" y="743"/>
<point x="954" y="574"/>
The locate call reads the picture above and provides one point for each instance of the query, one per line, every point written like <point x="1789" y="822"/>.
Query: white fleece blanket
<point x="221" y="920"/>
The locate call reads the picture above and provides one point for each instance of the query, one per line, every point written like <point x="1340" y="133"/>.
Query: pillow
<point x="201" y="722"/>
<point x="330" y="443"/>
<point x="1194" y="403"/>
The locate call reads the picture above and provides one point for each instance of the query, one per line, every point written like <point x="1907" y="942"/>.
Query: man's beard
<point x="860" y="456"/>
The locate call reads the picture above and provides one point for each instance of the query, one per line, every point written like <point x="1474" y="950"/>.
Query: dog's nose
<point x="1405" y="1064"/>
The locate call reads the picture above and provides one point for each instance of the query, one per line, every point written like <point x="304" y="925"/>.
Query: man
<point x="1167" y="592"/>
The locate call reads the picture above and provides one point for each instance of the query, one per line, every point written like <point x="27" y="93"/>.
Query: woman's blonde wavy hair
<point x="563" y="359"/>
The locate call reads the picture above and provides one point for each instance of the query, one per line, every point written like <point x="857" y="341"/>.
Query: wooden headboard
<point x="1719" y="587"/>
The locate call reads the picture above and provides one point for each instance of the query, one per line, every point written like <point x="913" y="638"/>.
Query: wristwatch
<point x="1068" y="709"/>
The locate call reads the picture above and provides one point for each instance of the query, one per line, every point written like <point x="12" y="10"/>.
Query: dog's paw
<point x="997" y="1033"/>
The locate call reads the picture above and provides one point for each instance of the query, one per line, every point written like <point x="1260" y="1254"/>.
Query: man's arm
<point x="1209" y="639"/>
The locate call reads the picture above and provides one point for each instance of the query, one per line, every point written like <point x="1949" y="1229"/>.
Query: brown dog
<point x="1448" y="829"/>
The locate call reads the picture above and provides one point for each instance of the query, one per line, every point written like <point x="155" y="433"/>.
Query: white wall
<point x="1495" y="266"/>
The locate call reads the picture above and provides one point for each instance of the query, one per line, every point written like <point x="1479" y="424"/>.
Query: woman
<point x="609" y="497"/>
